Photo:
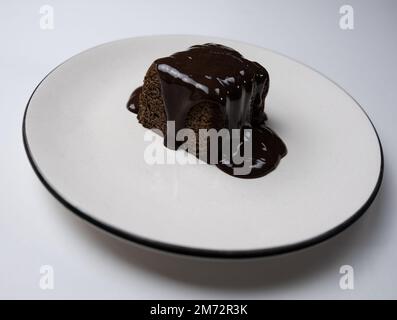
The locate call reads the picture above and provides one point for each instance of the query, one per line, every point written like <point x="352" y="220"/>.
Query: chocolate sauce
<point x="213" y="73"/>
<point x="267" y="151"/>
<point x="220" y="75"/>
<point x="133" y="102"/>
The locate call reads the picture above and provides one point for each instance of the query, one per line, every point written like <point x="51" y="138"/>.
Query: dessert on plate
<point x="211" y="86"/>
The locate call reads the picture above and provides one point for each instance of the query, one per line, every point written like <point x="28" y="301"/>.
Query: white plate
<point x="88" y="151"/>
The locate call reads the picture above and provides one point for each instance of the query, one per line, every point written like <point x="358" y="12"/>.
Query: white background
<point x="36" y="230"/>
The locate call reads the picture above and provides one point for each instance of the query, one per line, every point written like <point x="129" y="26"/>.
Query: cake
<point x="210" y="86"/>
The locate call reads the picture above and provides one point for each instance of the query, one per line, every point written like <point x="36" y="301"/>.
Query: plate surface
<point x="89" y="152"/>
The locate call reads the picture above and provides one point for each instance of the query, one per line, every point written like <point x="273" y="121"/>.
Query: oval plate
<point x="88" y="150"/>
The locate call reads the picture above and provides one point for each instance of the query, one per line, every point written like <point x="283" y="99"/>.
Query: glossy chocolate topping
<point x="222" y="76"/>
<point x="133" y="102"/>
<point x="214" y="73"/>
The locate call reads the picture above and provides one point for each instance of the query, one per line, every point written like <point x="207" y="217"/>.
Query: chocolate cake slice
<point x="210" y="86"/>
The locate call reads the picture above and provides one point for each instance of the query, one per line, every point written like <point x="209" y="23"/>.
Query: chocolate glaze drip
<point x="267" y="151"/>
<point x="236" y="84"/>
<point x="220" y="75"/>
<point x="133" y="102"/>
